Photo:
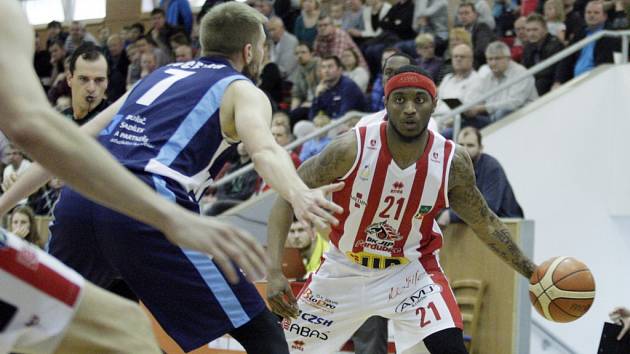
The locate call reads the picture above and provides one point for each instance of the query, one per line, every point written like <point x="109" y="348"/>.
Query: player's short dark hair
<point x="54" y="24"/>
<point x="397" y="54"/>
<point x="87" y="51"/>
<point x="471" y="130"/>
<point x="139" y="26"/>
<point x="334" y="58"/>
<point x="158" y="11"/>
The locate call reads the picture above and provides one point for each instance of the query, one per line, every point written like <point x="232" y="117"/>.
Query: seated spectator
<point x="136" y="31"/>
<point x="284" y="45"/>
<point x="594" y="54"/>
<point x="270" y="80"/>
<point x="541" y="45"/>
<point x="517" y="47"/>
<point x="333" y="41"/>
<point x="351" y="69"/>
<point x="305" y="81"/>
<point x="554" y="17"/>
<point x="316" y="145"/>
<point x="102" y="36"/>
<point x="280" y="118"/>
<point x="490" y="179"/>
<point x="78" y="36"/>
<point x="42" y="62"/>
<point x="145" y="44"/>
<point x="305" y="28"/>
<point x="161" y="31"/>
<point x="431" y="16"/>
<point x="506" y="101"/>
<point x="574" y="20"/>
<point x="237" y="190"/>
<point x="312" y="246"/>
<point x="282" y="135"/>
<point x="620" y="19"/>
<point x="397" y="32"/>
<point x="372" y="16"/>
<point x="17" y="165"/>
<point x="425" y="47"/>
<point x="118" y="67"/>
<point x="483" y="11"/>
<point x="505" y="13"/>
<point x="177" y="40"/>
<point x="336" y="14"/>
<point x="134" y="70"/>
<point x="22" y="224"/>
<point x="148" y="64"/>
<point x="303" y="128"/>
<point x="265" y="7"/>
<point x="378" y="89"/>
<point x="456" y="36"/>
<point x="178" y="14"/>
<point x="353" y="16"/>
<point x="335" y="94"/>
<point x="55" y="33"/>
<point x="459" y="84"/>
<point x="481" y="34"/>
<point x="183" y="53"/>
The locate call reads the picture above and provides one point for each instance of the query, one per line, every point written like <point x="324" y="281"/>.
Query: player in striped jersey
<point x="383" y="258"/>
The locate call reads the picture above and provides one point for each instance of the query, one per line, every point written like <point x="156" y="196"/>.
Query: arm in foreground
<point x="466" y="200"/>
<point x="252" y="114"/>
<point x="28" y="120"/>
<point x="321" y="170"/>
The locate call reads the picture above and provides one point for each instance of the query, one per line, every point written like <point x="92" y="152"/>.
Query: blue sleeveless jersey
<point x="169" y="125"/>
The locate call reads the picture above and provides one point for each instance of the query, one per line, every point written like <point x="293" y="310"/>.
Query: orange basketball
<point x="562" y="289"/>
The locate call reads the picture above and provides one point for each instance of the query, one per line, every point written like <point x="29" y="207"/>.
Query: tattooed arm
<point x="466" y="200"/>
<point x="323" y="169"/>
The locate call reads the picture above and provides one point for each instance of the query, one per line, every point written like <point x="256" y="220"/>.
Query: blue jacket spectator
<point x="178" y="14"/>
<point x="376" y="96"/>
<point x="335" y="94"/>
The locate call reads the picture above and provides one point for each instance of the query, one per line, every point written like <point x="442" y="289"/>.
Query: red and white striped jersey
<point x="38" y="297"/>
<point x="389" y="213"/>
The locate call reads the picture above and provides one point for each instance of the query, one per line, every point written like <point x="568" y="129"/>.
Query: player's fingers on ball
<point x="280" y="306"/>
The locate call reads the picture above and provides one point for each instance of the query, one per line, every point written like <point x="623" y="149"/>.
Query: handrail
<point x="538" y="68"/>
<point x="457" y="111"/>
<point x="555" y="339"/>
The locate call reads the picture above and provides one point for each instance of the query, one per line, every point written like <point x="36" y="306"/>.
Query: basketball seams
<point x="567" y="276"/>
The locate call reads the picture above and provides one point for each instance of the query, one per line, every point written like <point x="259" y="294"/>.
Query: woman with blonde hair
<point x="554" y="15"/>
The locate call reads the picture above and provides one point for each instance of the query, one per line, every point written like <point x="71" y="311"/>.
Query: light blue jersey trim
<point x="112" y="125"/>
<point x="197" y="118"/>
<point x="209" y="272"/>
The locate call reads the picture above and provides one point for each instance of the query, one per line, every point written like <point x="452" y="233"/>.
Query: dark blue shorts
<point x="183" y="289"/>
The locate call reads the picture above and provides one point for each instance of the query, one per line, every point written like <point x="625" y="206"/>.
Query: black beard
<point x="404" y="138"/>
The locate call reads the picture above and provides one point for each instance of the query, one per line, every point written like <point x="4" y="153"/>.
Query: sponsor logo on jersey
<point x="375" y="261"/>
<point x="418" y="296"/>
<point x="382" y="231"/>
<point x="319" y="301"/>
<point x="372" y="144"/>
<point x="358" y="201"/>
<point x="297" y="345"/>
<point x="304" y="331"/>
<point x="397" y="187"/>
<point x="364" y="174"/>
<point x="314" y="319"/>
<point x="424" y="209"/>
<point x="435" y="156"/>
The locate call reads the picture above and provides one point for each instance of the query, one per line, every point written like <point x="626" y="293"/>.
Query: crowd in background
<point x="323" y="59"/>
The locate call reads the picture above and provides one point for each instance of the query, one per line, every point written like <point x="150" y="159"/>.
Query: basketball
<point x="562" y="289"/>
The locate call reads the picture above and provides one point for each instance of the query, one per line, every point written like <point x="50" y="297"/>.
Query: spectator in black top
<point x="490" y="179"/>
<point x="88" y="81"/>
<point x="161" y="31"/>
<point x="540" y="46"/>
<point x="480" y="33"/>
<point x="118" y="65"/>
<point x="573" y="19"/>
<point x="41" y="62"/>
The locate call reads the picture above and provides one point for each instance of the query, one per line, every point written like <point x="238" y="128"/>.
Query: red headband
<point x="410" y="79"/>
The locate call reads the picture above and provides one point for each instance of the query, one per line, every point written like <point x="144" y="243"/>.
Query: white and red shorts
<point x="38" y="297"/>
<point x="341" y="295"/>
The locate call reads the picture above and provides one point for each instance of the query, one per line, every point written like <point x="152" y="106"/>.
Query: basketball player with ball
<point x="383" y="258"/>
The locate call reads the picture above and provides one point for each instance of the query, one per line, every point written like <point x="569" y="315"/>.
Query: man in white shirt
<point x="497" y="106"/>
<point x="17" y="165"/>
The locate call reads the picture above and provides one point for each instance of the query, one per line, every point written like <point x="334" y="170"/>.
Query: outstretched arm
<point x="252" y="115"/>
<point x="36" y="176"/>
<point x="321" y="170"/>
<point x="466" y="200"/>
